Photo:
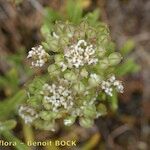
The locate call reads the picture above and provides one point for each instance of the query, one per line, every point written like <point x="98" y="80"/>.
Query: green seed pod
<point x="45" y="45"/>
<point x="70" y="75"/>
<point x="53" y="70"/>
<point x="53" y="45"/>
<point x="86" y="122"/>
<point x="79" y="33"/>
<point x="103" y="29"/>
<point x="45" y="125"/>
<point x="34" y="102"/>
<point x="101" y="52"/>
<point x="84" y="73"/>
<point x="90" y="111"/>
<point x="84" y="26"/>
<point x="69" y="30"/>
<point x="45" y="115"/>
<point x="45" y="30"/>
<point x="58" y="58"/>
<point x="94" y="81"/>
<point x="46" y="104"/>
<point x="35" y="86"/>
<point x="102" y="109"/>
<point x="114" y="58"/>
<point x="59" y="27"/>
<point x="69" y="120"/>
<point x="79" y="87"/>
<point x="63" y="41"/>
<point x="104" y="63"/>
<point x="91" y="33"/>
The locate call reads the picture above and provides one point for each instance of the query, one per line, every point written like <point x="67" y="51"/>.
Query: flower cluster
<point x="38" y="55"/>
<point x="77" y="78"/>
<point x="111" y="83"/>
<point x="80" y="54"/>
<point x="58" y="96"/>
<point x="27" y="113"/>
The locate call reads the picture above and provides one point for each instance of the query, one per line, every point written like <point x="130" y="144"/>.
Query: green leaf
<point x="7" y="125"/>
<point x="11" y="138"/>
<point x="3" y="81"/>
<point x="13" y="77"/>
<point x="45" y="30"/>
<point x="93" y="17"/>
<point x="127" y="47"/>
<point x="50" y="16"/>
<point x="9" y="105"/>
<point x="74" y="11"/>
<point x="127" y="67"/>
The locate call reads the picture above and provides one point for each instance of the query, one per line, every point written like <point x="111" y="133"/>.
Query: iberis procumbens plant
<point x="78" y="77"/>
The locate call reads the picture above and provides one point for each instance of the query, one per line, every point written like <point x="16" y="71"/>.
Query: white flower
<point x="67" y="122"/>
<point x="58" y="96"/>
<point x="27" y="113"/>
<point x="119" y="86"/>
<point x="106" y="86"/>
<point x="111" y="83"/>
<point x="38" y="55"/>
<point x="80" y="54"/>
<point x="95" y="76"/>
<point x="112" y="79"/>
<point x="63" y="66"/>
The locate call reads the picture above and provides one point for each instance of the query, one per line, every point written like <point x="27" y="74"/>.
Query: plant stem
<point x="28" y="133"/>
